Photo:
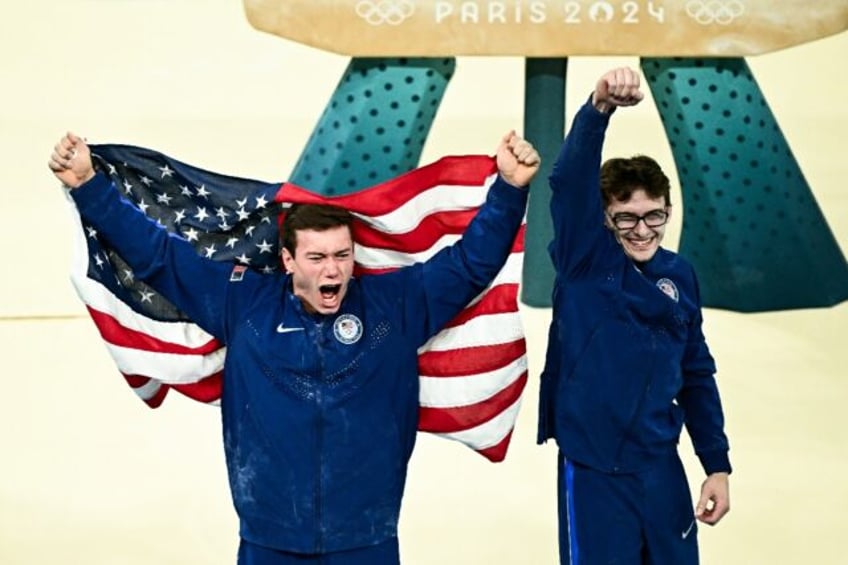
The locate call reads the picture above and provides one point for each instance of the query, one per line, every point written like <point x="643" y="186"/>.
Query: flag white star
<point x="112" y="169"/>
<point x="261" y="202"/>
<point x="242" y="214"/>
<point x="265" y="247"/>
<point x="180" y="216"/>
<point x="184" y="190"/>
<point x="166" y="171"/>
<point x="267" y="269"/>
<point x="99" y="260"/>
<point x="202" y="214"/>
<point x="224" y="226"/>
<point x="231" y="243"/>
<point x="209" y="251"/>
<point x="243" y="259"/>
<point x="248" y="231"/>
<point x="128" y="276"/>
<point x="146" y="181"/>
<point x="221" y="213"/>
<point x="241" y="203"/>
<point x="163" y="198"/>
<point x="191" y="234"/>
<point x="143" y="206"/>
<point x="92" y="233"/>
<point x="128" y="187"/>
<point x="146" y="296"/>
<point x="202" y="192"/>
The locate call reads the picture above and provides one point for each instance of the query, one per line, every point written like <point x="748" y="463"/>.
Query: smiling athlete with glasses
<point x="627" y="362"/>
<point x="637" y="204"/>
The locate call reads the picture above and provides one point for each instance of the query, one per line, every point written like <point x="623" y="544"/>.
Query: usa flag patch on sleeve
<point x="238" y="273"/>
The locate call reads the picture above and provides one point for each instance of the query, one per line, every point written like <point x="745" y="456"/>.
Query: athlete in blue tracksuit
<point x="627" y="363"/>
<point x="320" y="393"/>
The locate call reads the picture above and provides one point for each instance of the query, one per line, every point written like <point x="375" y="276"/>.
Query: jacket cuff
<point x="590" y="119"/>
<point x="91" y="191"/>
<point x="715" y="462"/>
<point x="502" y="190"/>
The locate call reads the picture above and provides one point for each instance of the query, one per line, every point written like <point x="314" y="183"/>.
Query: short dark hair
<point x="620" y="177"/>
<point x="318" y="217"/>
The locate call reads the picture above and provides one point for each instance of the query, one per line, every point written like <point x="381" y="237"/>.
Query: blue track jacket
<point x="627" y="363"/>
<point x="320" y="413"/>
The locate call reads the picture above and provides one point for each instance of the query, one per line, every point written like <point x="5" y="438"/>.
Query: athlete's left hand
<point x="715" y="499"/>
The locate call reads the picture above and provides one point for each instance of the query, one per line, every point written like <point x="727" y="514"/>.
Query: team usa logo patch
<point x="669" y="288"/>
<point x="347" y="329"/>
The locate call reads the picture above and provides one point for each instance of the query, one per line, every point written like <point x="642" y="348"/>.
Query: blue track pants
<point x="644" y="518"/>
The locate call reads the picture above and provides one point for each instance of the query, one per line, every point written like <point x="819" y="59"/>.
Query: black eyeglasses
<point x="625" y="221"/>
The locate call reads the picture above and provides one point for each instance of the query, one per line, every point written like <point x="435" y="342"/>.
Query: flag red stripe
<point x="447" y="420"/>
<point x="498" y="299"/>
<point x="392" y="194"/>
<point x="470" y="360"/>
<point x="208" y="389"/>
<point x="425" y="234"/>
<point x="497" y="452"/>
<point x="156" y="400"/>
<point x="518" y="244"/>
<point x="115" y="333"/>
<point x="138" y="381"/>
<point x="205" y="390"/>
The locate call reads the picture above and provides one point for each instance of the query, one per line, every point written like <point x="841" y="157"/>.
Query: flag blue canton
<point x="225" y="218"/>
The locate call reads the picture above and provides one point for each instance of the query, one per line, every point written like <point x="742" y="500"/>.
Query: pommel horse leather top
<point x="552" y="28"/>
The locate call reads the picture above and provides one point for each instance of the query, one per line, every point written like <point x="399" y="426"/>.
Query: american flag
<point x="472" y="373"/>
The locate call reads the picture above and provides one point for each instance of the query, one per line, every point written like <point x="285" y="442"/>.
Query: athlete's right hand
<point x="71" y="162"/>
<point x="618" y="87"/>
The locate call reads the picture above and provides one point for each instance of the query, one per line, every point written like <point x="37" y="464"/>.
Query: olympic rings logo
<point x="392" y="12"/>
<point x="601" y="12"/>
<point x="714" y="11"/>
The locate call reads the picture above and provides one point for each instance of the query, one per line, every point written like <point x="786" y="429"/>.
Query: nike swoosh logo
<point x="685" y="534"/>
<point x="284" y="330"/>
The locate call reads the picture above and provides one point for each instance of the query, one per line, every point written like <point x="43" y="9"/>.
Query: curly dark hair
<point x="621" y="177"/>
<point x="318" y="217"/>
